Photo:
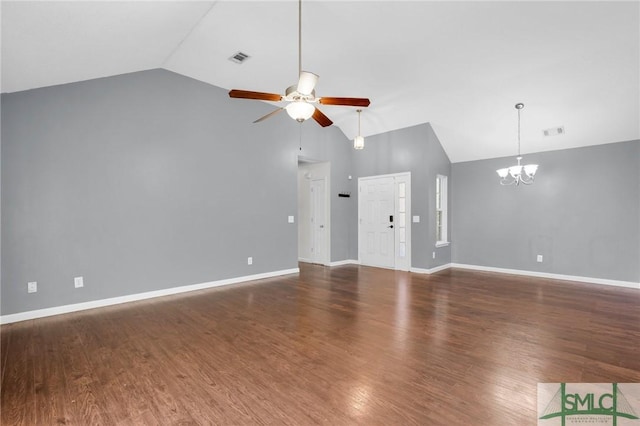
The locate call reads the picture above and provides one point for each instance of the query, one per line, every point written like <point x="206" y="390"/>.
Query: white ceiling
<point x="461" y="66"/>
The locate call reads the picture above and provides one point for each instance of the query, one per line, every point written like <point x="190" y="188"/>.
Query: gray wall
<point x="152" y="180"/>
<point x="417" y="150"/>
<point x="581" y="214"/>
<point x="147" y="181"/>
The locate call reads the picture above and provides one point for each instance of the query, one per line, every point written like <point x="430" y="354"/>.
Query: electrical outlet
<point x="434" y="255"/>
<point x="539" y="258"/>
<point x="249" y="260"/>
<point x="78" y="282"/>
<point x="32" y="287"/>
<point x="290" y="219"/>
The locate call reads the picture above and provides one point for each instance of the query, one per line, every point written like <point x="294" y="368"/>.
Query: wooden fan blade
<point x="260" y="96"/>
<point x="358" y="102"/>
<point x="271" y="114"/>
<point x="321" y="119"/>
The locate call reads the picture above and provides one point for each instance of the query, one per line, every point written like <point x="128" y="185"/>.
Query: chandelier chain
<point x="518" y="132"/>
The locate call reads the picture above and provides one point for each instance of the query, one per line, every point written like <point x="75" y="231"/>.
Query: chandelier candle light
<point x="358" y="141"/>
<point x="518" y="174"/>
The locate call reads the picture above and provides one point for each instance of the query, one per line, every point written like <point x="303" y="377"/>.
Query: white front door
<point x="318" y="221"/>
<point x="376" y="235"/>
<point x="384" y="228"/>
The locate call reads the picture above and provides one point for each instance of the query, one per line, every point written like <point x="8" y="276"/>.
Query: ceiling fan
<point x="301" y="98"/>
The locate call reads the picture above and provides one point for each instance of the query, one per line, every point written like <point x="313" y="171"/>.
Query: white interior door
<point x="376" y="236"/>
<point x="318" y="221"/>
<point x="384" y="225"/>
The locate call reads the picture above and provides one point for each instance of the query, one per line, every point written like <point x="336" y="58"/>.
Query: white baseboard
<point x="47" y="312"/>
<point x="627" y="284"/>
<point x="344" y="262"/>
<point x="432" y="270"/>
<point x="58" y="310"/>
<point x="311" y="262"/>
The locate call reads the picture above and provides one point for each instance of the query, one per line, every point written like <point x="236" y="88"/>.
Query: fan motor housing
<point x="291" y="94"/>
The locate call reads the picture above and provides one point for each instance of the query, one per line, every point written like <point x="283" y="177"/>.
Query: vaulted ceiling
<point x="461" y="66"/>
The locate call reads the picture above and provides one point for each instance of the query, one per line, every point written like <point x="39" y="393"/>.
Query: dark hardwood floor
<point x="336" y="346"/>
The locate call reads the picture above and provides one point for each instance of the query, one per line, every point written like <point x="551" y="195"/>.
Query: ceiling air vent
<point x="554" y="131"/>
<point x="239" y="57"/>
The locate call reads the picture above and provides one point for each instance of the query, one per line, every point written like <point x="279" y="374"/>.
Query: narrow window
<point x="441" y="210"/>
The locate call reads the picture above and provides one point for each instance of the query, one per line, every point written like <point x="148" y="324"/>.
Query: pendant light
<point x="358" y="141"/>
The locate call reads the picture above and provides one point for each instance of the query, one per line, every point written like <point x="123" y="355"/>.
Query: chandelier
<point x="519" y="173"/>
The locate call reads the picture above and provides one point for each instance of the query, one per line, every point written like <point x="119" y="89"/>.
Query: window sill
<point x="442" y="243"/>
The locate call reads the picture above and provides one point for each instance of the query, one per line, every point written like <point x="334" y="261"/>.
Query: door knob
<point x="390" y="226"/>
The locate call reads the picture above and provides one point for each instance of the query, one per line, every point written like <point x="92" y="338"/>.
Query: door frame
<point x="323" y="172"/>
<point x="400" y="263"/>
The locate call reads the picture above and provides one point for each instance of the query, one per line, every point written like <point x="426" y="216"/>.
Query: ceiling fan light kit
<point x="301" y="97"/>
<point x="300" y="110"/>
<point x="514" y="174"/>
